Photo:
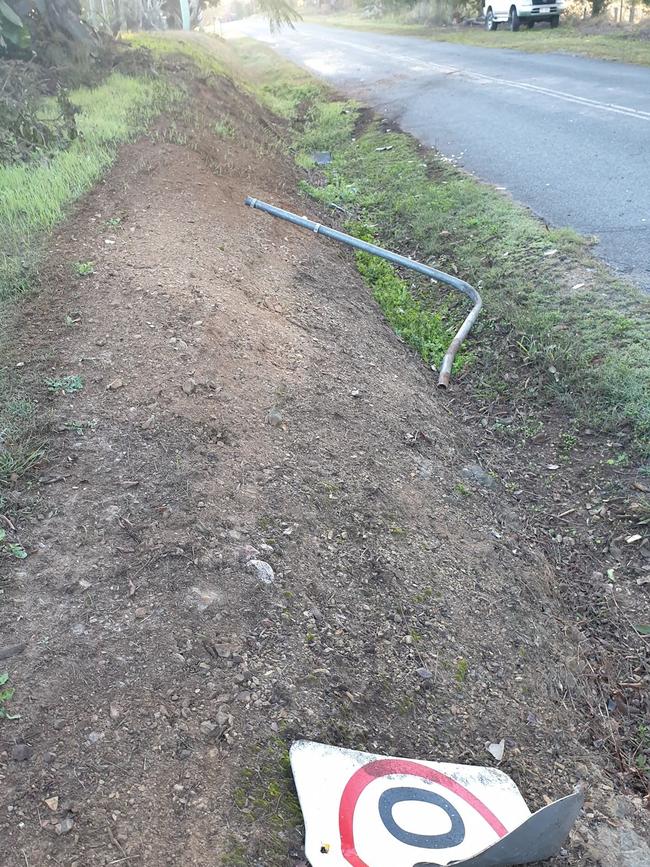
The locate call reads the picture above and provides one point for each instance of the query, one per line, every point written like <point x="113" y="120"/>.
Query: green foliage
<point x="224" y="129"/>
<point x="13" y="33"/>
<point x="84" y="269"/>
<point x="35" y="197"/>
<point x="329" y="126"/>
<point x="425" y="330"/>
<point x="6" y="694"/>
<point x="65" y="384"/>
<point x="162" y="46"/>
<point x="31" y="125"/>
<point x="11" y="548"/>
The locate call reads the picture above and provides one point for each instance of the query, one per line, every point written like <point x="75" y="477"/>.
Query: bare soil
<point x="242" y="391"/>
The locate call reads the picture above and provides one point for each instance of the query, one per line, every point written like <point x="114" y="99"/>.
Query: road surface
<point x="569" y="137"/>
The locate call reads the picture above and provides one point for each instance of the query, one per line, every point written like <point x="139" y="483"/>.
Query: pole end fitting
<point x="250" y="201"/>
<point x="444" y="376"/>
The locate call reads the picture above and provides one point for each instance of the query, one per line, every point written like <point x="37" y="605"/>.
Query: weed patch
<point x="425" y="330"/>
<point x="65" y="384"/>
<point x="6" y="694"/>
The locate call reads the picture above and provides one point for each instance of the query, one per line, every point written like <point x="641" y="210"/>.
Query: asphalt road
<point x="569" y="137"/>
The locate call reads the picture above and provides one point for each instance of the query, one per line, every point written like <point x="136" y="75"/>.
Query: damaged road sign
<point x="364" y="810"/>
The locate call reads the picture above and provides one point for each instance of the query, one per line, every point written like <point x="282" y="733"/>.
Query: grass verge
<point x="623" y="46"/>
<point x="583" y="333"/>
<point x="35" y="198"/>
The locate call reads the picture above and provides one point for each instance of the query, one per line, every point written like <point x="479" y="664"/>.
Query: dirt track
<point x="241" y="390"/>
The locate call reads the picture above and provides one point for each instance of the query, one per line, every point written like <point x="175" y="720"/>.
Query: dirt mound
<point x="243" y="400"/>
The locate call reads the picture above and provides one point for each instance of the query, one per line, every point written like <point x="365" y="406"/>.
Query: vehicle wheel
<point x="490" y="23"/>
<point x="513" y="20"/>
<point x="555" y="21"/>
<point x="530" y="25"/>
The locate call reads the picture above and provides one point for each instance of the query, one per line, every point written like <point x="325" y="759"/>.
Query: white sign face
<point x="363" y="810"/>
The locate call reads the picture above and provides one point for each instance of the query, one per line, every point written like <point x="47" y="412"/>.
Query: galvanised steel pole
<point x="433" y="273"/>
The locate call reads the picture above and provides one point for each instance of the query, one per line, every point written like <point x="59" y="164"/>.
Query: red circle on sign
<point x="383" y="768"/>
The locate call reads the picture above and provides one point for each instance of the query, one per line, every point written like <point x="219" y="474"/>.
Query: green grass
<point x="424" y="329"/>
<point x="265" y="797"/>
<point x="65" y="384"/>
<point x="567" y="39"/>
<point x="223" y="128"/>
<point x="84" y="269"/>
<point x="163" y="45"/>
<point x="36" y="197"/>
<point x="6" y="694"/>
<point x="585" y="333"/>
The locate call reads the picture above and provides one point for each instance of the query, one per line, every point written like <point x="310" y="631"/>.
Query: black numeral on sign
<point x="391" y="797"/>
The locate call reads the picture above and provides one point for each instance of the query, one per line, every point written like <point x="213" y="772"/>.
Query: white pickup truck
<point x="525" y="12"/>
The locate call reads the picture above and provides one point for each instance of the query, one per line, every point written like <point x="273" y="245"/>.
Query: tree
<point x="55" y="25"/>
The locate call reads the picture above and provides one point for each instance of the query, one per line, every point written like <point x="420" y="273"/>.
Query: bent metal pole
<point x="433" y="273"/>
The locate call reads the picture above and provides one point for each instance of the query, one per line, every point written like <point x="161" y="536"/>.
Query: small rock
<point x="48" y="758"/>
<point x="202" y="598"/>
<point x="52" y="803"/>
<point x="248" y="552"/>
<point x="223" y="718"/>
<point x="115" y="385"/>
<point x="21" y="752"/>
<point x="95" y="737"/>
<point x="64" y="826"/>
<point x="496" y="750"/>
<point x="274" y="417"/>
<point x="476" y="473"/>
<point x="207" y="727"/>
<point x="140" y="613"/>
<point x="189" y="386"/>
<point x="114" y="711"/>
<point x="262" y="570"/>
<point x="424" y="673"/>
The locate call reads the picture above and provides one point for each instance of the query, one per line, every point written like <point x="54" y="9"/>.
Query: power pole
<point x="185" y="13"/>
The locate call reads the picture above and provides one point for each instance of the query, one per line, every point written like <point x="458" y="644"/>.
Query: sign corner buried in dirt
<point x="364" y="810"/>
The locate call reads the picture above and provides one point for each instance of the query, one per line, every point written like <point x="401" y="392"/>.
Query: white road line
<point x="611" y="107"/>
